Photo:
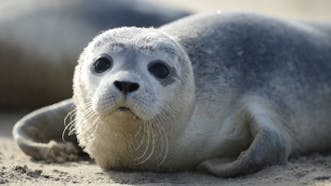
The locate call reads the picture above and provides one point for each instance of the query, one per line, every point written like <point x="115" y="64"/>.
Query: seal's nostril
<point x="126" y="87"/>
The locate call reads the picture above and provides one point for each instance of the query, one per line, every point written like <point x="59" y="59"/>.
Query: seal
<point x="224" y="93"/>
<point x="28" y="57"/>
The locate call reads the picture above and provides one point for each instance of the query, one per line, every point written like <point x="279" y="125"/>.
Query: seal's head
<point x="127" y="77"/>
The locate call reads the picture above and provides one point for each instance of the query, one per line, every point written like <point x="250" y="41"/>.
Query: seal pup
<point x="225" y="93"/>
<point x="40" y="42"/>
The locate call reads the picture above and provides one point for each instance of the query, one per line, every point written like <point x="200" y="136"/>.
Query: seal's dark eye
<point x="159" y="69"/>
<point x="102" y="64"/>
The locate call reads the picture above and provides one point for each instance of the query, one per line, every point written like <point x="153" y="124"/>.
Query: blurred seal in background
<point x="40" y="42"/>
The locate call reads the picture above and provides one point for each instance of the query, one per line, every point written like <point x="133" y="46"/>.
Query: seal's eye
<point x="159" y="69"/>
<point x="102" y="64"/>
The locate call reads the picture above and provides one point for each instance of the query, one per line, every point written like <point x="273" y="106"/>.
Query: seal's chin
<point x="125" y="111"/>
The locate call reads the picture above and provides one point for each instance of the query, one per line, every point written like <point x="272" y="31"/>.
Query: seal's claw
<point x="60" y="152"/>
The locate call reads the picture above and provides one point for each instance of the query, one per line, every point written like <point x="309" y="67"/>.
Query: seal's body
<point x="227" y="93"/>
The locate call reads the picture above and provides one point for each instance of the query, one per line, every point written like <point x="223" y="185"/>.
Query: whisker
<point x="64" y="131"/>
<point x="69" y="115"/>
<point x="70" y="127"/>
<point x="67" y="125"/>
<point x="138" y="131"/>
<point x="166" y="145"/>
<point x="147" y="145"/>
<point x="153" y="144"/>
<point x="142" y="139"/>
<point x="161" y="142"/>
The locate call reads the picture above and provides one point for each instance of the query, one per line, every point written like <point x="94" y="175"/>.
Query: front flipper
<point x="269" y="146"/>
<point x="39" y="134"/>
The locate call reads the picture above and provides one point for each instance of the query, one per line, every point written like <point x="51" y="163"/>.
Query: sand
<point x="17" y="169"/>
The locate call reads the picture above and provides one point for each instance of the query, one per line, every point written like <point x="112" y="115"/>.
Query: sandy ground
<point x="18" y="169"/>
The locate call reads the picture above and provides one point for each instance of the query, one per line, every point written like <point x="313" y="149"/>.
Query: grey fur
<point x="265" y="82"/>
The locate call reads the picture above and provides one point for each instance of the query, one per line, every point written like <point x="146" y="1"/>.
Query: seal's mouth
<point x="124" y="112"/>
<point x="124" y="109"/>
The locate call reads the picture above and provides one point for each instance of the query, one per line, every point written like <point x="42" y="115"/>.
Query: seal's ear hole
<point x="102" y="64"/>
<point x="159" y="69"/>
